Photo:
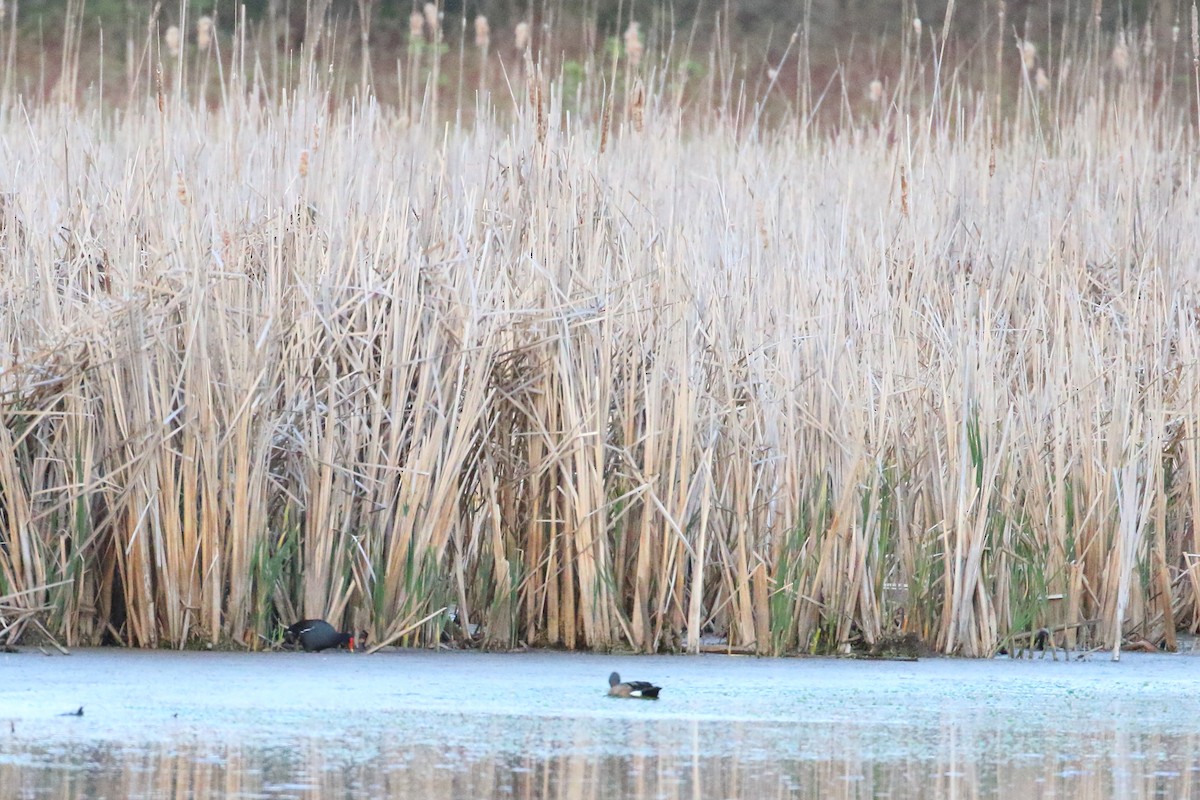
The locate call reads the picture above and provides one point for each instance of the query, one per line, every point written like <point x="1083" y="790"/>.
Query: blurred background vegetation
<point x="110" y="48"/>
<point x="748" y="17"/>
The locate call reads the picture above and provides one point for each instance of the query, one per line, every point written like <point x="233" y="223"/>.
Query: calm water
<point x="465" y="725"/>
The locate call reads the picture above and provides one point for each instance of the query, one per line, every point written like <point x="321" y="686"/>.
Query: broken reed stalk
<point x="589" y="394"/>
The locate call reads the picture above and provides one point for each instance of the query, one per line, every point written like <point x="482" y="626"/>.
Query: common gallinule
<point x="640" y="689"/>
<point x="315" y="635"/>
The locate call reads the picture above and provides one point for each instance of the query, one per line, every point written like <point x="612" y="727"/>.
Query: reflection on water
<point x="580" y="759"/>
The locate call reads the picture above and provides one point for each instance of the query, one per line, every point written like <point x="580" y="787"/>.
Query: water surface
<point x="531" y="725"/>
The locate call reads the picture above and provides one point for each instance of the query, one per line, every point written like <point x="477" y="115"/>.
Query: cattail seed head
<point x="1029" y="54"/>
<point x="303" y="163"/>
<point x="204" y="32"/>
<point x="637" y="108"/>
<point x="483" y="33"/>
<point x="633" y="44"/>
<point x="875" y="91"/>
<point x="537" y="98"/>
<point x="181" y="188"/>
<point x="605" y="122"/>
<point x="1041" y="80"/>
<point x="521" y="36"/>
<point x="433" y="21"/>
<point x="1120" y="54"/>
<point x="171" y="40"/>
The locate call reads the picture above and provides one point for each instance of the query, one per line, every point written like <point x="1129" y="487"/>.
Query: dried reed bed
<point x="616" y="378"/>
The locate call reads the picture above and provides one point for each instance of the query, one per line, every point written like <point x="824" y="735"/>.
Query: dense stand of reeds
<point x="637" y="354"/>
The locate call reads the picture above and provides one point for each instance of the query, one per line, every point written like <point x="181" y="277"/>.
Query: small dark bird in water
<point x="640" y="689"/>
<point x="76" y="713"/>
<point x="315" y="635"/>
<point x="1041" y="638"/>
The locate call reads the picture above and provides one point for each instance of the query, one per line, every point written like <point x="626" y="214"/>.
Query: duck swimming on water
<point x="638" y="689"/>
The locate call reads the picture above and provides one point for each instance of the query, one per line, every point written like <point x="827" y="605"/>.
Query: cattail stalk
<point x="1196" y="59"/>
